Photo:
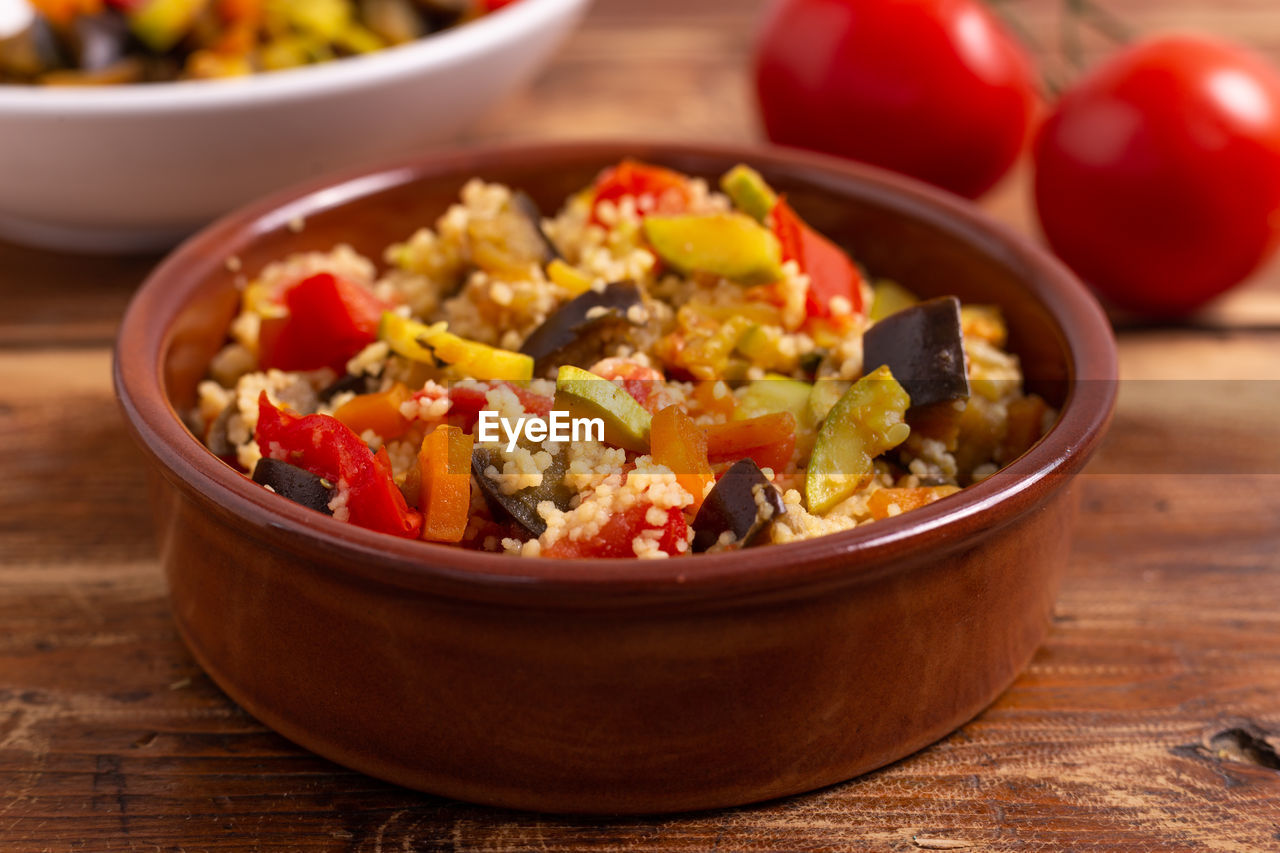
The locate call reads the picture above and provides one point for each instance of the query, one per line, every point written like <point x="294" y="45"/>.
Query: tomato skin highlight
<point x="935" y="89"/>
<point x="329" y="320"/>
<point x="1158" y="176"/>
<point x="668" y="189"/>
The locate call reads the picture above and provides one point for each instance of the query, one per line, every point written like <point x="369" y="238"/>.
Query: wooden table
<point x="1140" y="725"/>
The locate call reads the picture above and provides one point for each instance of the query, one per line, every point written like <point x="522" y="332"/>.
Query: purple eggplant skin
<point x="522" y="506"/>
<point x="578" y="325"/>
<point x="294" y="483"/>
<point x="355" y="383"/>
<point x="528" y="208"/>
<point x="923" y="348"/>
<point x="733" y="505"/>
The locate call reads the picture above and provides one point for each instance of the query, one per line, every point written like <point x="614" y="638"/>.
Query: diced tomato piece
<point x="328" y="448"/>
<point x="329" y="320"/>
<point x="831" y="272"/>
<point x="668" y="189"/>
<point x="615" y="538"/>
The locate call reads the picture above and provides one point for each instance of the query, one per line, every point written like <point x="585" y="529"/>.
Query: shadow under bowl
<point x="617" y="686"/>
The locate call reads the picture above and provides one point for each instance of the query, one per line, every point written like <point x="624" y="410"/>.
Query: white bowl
<point x="137" y="167"/>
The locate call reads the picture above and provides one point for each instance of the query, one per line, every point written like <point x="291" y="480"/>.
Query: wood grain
<point x="1166" y="632"/>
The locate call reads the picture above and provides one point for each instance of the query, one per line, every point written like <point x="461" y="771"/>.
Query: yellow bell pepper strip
<point x="679" y="444"/>
<point x="885" y="503"/>
<point x="768" y="440"/>
<point x="570" y="278"/>
<point x="329" y="449"/>
<point x="430" y="344"/>
<point x="444" y="466"/>
<point x="867" y="421"/>
<point x="379" y="412"/>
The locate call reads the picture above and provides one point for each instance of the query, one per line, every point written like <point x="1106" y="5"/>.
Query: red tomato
<point x="933" y="88"/>
<point x="668" y="191"/>
<point x="1158" y="175"/>
<point x="831" y="272"/>
<point x="614" y="538"/>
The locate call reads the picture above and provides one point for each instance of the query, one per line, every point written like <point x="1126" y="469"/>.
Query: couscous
<point x="660" y="368"/>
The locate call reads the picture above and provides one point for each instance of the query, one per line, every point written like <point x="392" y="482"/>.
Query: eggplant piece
<point x="361" y="383"/>
<point x="523" y="204"/>
<point x="923" y="348"/>
<point x="580" y="325"/>
<point x="522" y="506"/>
<point x="744" y="502"/>
<point x="294" y="483"/>
<point x="216" y="438"/>
<point x="100" y="41"/>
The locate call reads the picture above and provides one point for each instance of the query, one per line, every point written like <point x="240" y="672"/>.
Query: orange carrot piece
<point x="905" y="499"/>
<point x="678" y="443"/>
<point x="714" y="397"/>
<point x="444" y="468"/>
<point x="379" y="412"/>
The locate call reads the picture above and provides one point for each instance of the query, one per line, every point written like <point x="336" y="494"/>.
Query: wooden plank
<point x="1166" y="634"/>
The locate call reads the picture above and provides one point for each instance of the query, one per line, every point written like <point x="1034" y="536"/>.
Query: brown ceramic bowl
<point x="612" y="685"/>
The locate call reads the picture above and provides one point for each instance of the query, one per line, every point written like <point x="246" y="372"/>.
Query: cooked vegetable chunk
<point x="521" y="506"/>
<point x="743" y="504"/>
<point x="576" y="332"/>
<point x="867" y="421"/>
<point x="732" y="245"/>
<point x="585" y="395"/>
<point x="749" y="192"/>
<point x="923" y="347"/>
<point x="294" y="483"/>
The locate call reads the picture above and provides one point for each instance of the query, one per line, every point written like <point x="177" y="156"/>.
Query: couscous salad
<point x="658" y="369"/>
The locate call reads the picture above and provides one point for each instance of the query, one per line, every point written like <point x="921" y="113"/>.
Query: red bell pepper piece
<point x="329" y="321"/>
<point x="328" y="448"/>
<point x="831" y="272"/>
<point x="615" y="537"/>
<point x="669" y="189"/>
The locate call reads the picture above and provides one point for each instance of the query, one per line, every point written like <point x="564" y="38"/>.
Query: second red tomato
<point x="935" y="89"/>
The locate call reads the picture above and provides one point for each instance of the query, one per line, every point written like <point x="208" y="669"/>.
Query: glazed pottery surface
<point x="617" y="686"/>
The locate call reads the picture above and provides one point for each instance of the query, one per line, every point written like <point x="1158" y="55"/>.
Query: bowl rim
<point x="856" y="555"/>
<point x="355" y="73"/>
